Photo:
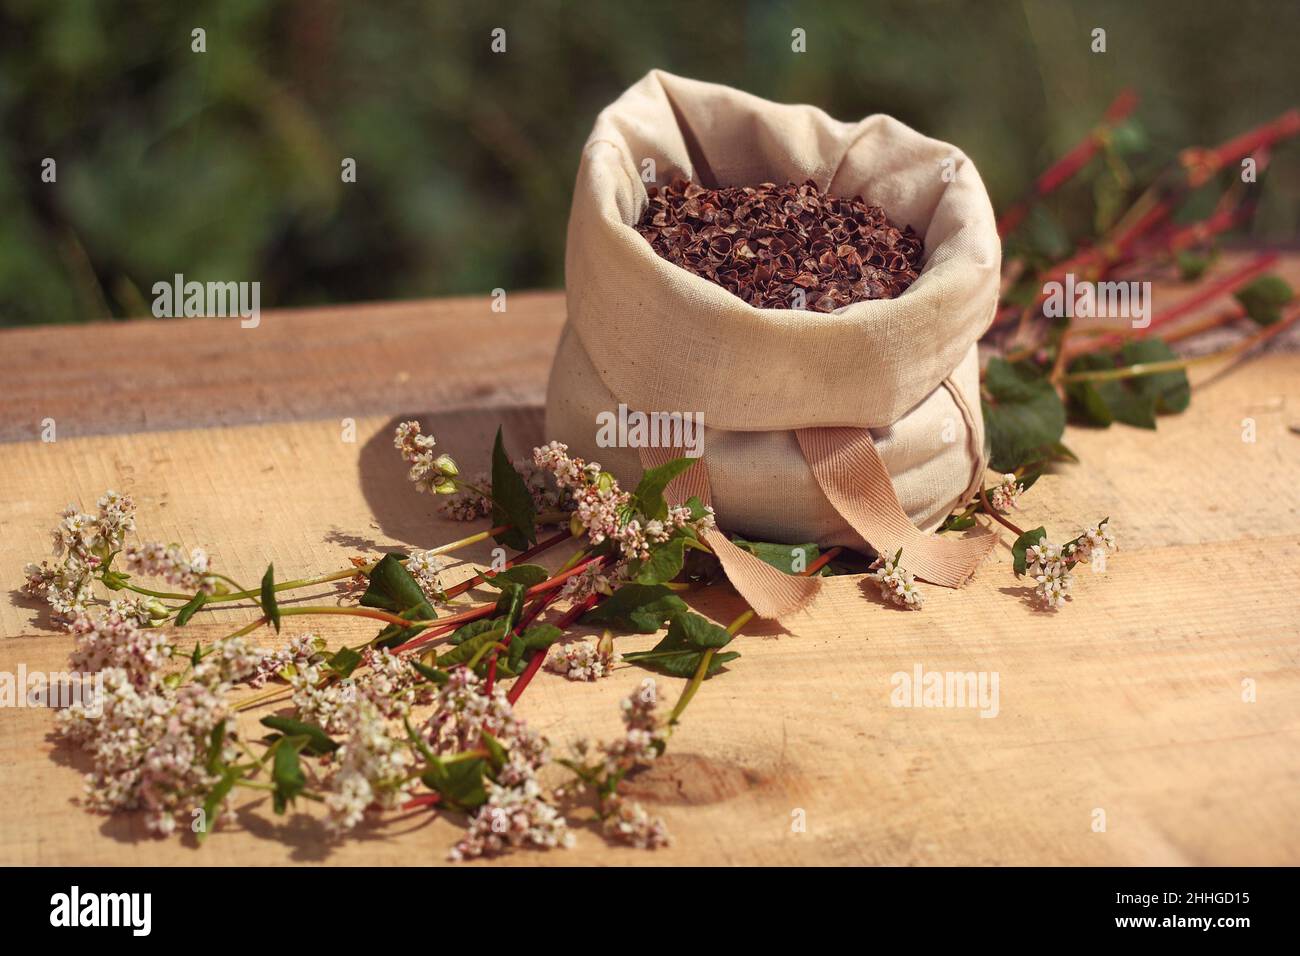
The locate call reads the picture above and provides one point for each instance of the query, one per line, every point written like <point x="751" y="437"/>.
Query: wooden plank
<point x="1128" y="701"/>
<point x="344" y="361"/>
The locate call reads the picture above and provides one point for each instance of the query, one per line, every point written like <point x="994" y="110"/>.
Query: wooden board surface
<point x="1130" y="701"/>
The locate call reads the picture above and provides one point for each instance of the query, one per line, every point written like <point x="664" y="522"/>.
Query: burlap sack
<point x="808" y="416"/>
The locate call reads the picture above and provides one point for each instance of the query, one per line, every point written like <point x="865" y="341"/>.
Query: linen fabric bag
<point x="859" y="427"/>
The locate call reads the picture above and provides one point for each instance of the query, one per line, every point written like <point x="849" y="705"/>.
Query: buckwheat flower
<point x="590" y="580"/>
<point x="76" y="533"/>
<point x="424" y="567"/>
<point x="897" y="584"/>
<point x="302" y="651"/>
<point x="1096" y="543"/>
<point x="232" y="660"/>
<point x="1049" y="566"/>
<point x="641" y="742"/>
<point x="116" y="518"/>
<point x="408" y="440"/>
<point x="434" y="474"/>
<point x="144" y="611"/>
<point x="371" y="767"/>
<point x="466" y="505"/>
<point x="513" y="817"/>
<point x="628" y="822"/>
<point x="66" y="587"/>
<point x="1003" y="497"/>
<point x="170" y="563"/>
<point x="582" y="661"/>
<point x="390" y="683"/>
<point x="150" y="746"/>
<point x="113" y="641"/>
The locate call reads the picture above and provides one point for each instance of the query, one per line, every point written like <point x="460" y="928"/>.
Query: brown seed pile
<point x="769" y="243"/>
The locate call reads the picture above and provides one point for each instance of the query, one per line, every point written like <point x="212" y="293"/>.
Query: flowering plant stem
<point x="733" y="629"/>
<point x="1152" y="368"/>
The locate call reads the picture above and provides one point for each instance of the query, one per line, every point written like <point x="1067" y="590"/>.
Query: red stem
<point x="570" y="616"/>
<point x="524" y="620"/>
<point x="448" y="624"/>
<point x="519" y="558"/>
<point x="1208" y="293"/>
<point x="1202" y="164"/>
<point x="1072" y="162"/>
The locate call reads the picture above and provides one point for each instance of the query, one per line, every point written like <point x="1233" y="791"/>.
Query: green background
<point x="225" y="165"/>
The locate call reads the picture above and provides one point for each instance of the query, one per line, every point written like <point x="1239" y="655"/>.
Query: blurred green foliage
<point x="226" y="164"/>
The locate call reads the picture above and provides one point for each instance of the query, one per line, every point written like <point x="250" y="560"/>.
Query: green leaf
<point x="115" y="580"/>
<point x="649" y="495"/>
<point x="1104" y="402"/>
<point x="472" y="629"/>
<point x="1023" y="544"/>
<point x="1263" y="299"/>
<point x="269" y="607"/>
<point x="216" y="739"/>
<point x="682" y="648"/>
<point x="1022" y="413"/>
<point x="512" y="501"/>
<point x="343" y="661"/>
<point x="215" y="798"/>
<point x="318" y="742"/>
<point x="790" y="558"/>
<point x="460" y="782"/>
<point x="690" y="628"/>
<point x="526" y="575"/>
<point x="184" y="614"/>
<point x="1043" y="236"/>
<point x="465" y="651"/>
<point x="393" y="589"/>
<point x="539" y="637"/>
<point x="958" y="523"/>
<point x="664" y="563"/>
<point x="1169" y="392"/>
<point x="1191" y="265"/>
<point x="638" y="608"/>
<point x="286" y="772"/>
<point x="1128" y="137"/>
<point x="509" y="606"/>
<point x="676" y="662"/>
<point x="431" y="674"/>
<point x="496" y="752"/>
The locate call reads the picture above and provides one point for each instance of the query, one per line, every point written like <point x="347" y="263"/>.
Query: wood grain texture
<point x="1128" y="701"/>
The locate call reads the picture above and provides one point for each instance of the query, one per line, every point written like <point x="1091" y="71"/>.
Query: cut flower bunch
<point x="421" y="717"/>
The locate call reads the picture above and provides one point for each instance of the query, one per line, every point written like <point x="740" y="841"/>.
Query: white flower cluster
<point x="385" y="682"/>
<point x="173" y="565"/>
<point x="581" y="661"/>
<point x="604" y="510"/>
<point x="1003" y="497"/>
<point x="468" y="505"/>
<point x="1052" y="566"/>
<point x="897" y="584"/>
<point x="629" y="822"/>
<point x="114" y="640"/>
<point x="434" y="474"/>
<point x="425" y="566"/>
<point x="517" y="812"/>
<point x="83" y="543"/>
<point x="622" y="819"/>
<point x="590" y="580"/>
<point x="371" y="768"/>
<point x="303" y="650"/>
<point x="152" y="746"/>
